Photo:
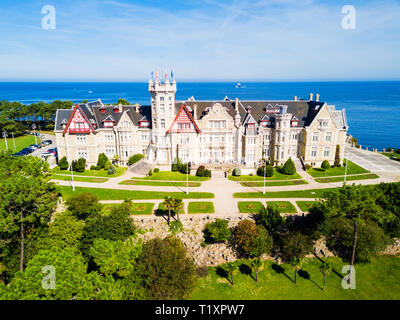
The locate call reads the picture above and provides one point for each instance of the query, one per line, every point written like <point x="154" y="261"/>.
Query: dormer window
<point x="250" y="125"/>
<point x="116" y="109"/>
<point x="108" y="123"/>
<point x="144" y="124"/>
<point x="64" y="123"/>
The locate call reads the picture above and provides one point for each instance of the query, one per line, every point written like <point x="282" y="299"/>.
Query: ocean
<point x="373" y="108"/>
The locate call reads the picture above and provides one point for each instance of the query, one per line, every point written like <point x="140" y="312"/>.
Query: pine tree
<point x="289" y="167"/>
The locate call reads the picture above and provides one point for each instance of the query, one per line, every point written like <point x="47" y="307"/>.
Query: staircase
<point x="140" y="168"/>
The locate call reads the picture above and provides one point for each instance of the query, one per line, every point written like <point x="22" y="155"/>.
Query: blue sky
<point x="121" y="40"/>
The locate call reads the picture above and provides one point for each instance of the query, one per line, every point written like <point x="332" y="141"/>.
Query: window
<point x="315" y="137"/>
<point x="328" y="137"/>
<point x="323" y="123"/>
<point x="251" y="140"/>
<point x="108" y="137"/>
<point x="161" y="98"/>
<point x="162" y="122"/>
<point x="218" y="124"/>
<point x="108" y="123"/>
<point x="144" y="124"/>
<point x="109" y="151"/>
<point x="169" y="98"/>
<point x="82" y="153"/>
<point x="81" y="138"/>
<point x="125" y="124"/>
<point x="184" y="139"/>
<point x="314" y="152"/>
<point x="283" y="137"/>
<point x="162" y="109"/>
<point x="145" y="137"/>
<point x="326" y="152"/>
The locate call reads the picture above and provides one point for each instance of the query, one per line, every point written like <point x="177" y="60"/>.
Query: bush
<point x="236" y="172"/>
<point x="289" y="167"/>
<point x="337" y="156"/>
<point x="84" y="205"/>
<point x="269" y="171"/>
<point x="308" y="166"/>
<point x="107" y="165"/>
<point x="270" y="218"/>
<point x="397" y="151"/>
<point x="202" y="271"/>
<point x="325" y="165"/>
<point x="175" y="227"/>
<point x="97" y="168"/>
<point x="207" y="173"/>
<point x="63" y="163"/>
<point x="174" y="167"/>
<point x="185" y="169"/>
<point x="79" y="165"/>
<point x="217" y="231"/>
<point x="150" y="173"/>
<point x="296" y="244"/>
<point x="135" y="158"/>
<point x="156" y="170"/>
<point x="101" y="160"/>
<point x="93" y="167"/>
<point x="200" y="171"/>
<point x="112" y="170"/>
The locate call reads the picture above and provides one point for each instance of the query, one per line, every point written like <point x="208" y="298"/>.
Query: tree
<point x="200" y="171"/>
<point x="79" y="165"/>
<point x="168" y="204"/>
<point x="325" y="269"/>
<point x="177" y="206"/>
<point x="269" y="171"/>
<point x="217" y="231"/>
<point x="295" y="244"/>
<point x="256" y="265"/>
<point x="63" y="163"/>
<point x="101" y="161"/>
<point x="270" y="217"/>
<point x="230" y="268"/>
<point x="325" y="165"/>
<point x="111" y="170"/>
<point x="289" y="168"/>
<point x="84" y="205"/>
<point x="296" y="264"/>
<point x="262" y="243"/>
<point x="337" y="156"/>
<point x="166" y="271"/>
<point x="135" y="158"/>
<point x="123" y="102"/>
<point x="236" y="172"/>
<point x="27" y="198"/>
<point x="175" y="227"/>
<point x="245" y="232"/>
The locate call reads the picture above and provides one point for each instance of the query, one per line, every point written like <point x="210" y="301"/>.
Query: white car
<point x="46" y="154"/>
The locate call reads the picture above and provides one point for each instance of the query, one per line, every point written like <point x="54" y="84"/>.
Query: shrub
<point x="397" y="151"/>
<point x="101" y="160"/>
<point x="135" y="158"/>
<point x="107" y="165"/>
<point x="156" y="170"/>
<point x="202" y="271"/>
<point x="325" y="165"/>
<point x="308" y="166"/>
<point x="63" y="163"/>
<point x="200" y="171"/>
<point x="84" y="205"/>
<point x="97" y="168"/>
<point x="207" y="173"/>
<point x="337" y="156"/>
<point x="295" y="244"/>
<point x="174" y="167"/>
<point x="185" y="168"/>
<point x="79" y="165"/>
<point x="175" y="227"/>
<point x="236" y="172"/>
<point x="150" y="173"/>
<point x="269" y="171"/>
<point x="217" y="231"/>
<point x="93" y="167"/>
<point x="111" y="170"/>
<point x="289" y="167"/>
<point x="250" y="174"/>
<point x="269" y="217"/>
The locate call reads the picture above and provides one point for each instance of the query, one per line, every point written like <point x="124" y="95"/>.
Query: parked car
<point x="47" y="142"/>
<point x="37" y="146"/>
<point x="53" y="150"/>
<point x="17" y="154"/>
<point x="46" y="154"/>
<point x="25" y="151"/>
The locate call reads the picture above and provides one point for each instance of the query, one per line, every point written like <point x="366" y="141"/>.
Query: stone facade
<point x="234" y="132"/>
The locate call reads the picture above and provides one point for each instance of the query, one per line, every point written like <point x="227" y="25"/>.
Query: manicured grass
<point x="352" y="168"/>
<point x="160" y="183"/>
<point x="376" y="280"/>
<point x="305" y="205"/>
<point x="93" y="173"/>
<point x="161" y="210"/>
<point x="249" y="206"/>
<point x="393" y="156"/>
<point x="275" y="176"/>
<point x="172" y="176"/>
<point x="201" y="207"/>
<point x="273" y="183"/>
<point x="348" y="178"/>
<point x="115" y="194"/>
<point x="311" y="193"/>
<point x="138" y="208"/>
<point x="283" y="206"/>
<point x="20" y="142"/>
<point x="78" y="178"/>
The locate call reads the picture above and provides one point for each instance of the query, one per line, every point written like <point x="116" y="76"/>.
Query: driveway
<point x="372" y="161"/>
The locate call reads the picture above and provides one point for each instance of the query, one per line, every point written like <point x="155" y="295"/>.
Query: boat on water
<point x="90" y="91"/>
<point x="238" y="85"/>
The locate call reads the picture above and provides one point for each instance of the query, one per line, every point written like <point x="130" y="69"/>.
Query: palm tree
<point x="168" y="204"/>
<point x="325" y="268"/>
<point x="296" y="264"/>
<point x="256" y="265"/>
<point x="231" y="267"/>
<point x="178" y="205"/>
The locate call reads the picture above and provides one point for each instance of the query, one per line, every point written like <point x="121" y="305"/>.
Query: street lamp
<point x="12" y="133"/>
<point x="34" y="132"/>
<point x="5" y="135"/>
<point x="345" y="174"/>
<point x="72" y="171"/>
<point x="187" y="178"/>
<point x="265" y="170"/>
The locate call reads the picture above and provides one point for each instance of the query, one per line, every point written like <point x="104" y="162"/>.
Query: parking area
<point x="371" y="160"/>
<point x="39" y="152"/>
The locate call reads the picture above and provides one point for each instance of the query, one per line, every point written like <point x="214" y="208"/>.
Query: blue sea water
<point x="373" y="108"/>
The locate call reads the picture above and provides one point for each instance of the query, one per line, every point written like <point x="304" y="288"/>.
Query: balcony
<point x="79" y="130"/>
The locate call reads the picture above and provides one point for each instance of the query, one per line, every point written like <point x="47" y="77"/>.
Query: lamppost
<point x="12" y="133"/>
<point x="345" y="174"/>
<point x="187" y="178"/>
<point x="34" y="132"/>
<point x="265" y="170"/>
<point x="72" y="171"/>
<point x="5" y="135"/>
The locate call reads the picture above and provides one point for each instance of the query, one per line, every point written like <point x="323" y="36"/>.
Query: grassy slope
<point x="352" y="168"/>
<point x="376" y="280"/>
<point x="113" y="194"/>
<point x="276" y="176"/>
<point x="20" y="142"/>
<point x="160" y="183"/>
<point x="348" y="178"/>
<point x="172" y="176"/>
<point x="92" y="173"/>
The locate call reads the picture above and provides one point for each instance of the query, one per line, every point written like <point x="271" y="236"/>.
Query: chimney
<point x="120" y="107"/>
<point x="317" y="97"/>
<point x="237" y="105"/>
<point x="137" y="107"/>
<point x="295" y="98"/>
<point x="311" y="97"/>
<point x="195" y="111"/>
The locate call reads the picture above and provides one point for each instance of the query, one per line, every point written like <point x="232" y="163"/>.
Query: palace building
<point x="230" y="131"/>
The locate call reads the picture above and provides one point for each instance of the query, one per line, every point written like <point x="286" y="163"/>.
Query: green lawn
<point x="276" y="176"/>
<point x="160" y="183"/>
<point x="376" y="280"/>
<point x="172" y="176"/>
<point x="311" y="193"/>
<point x="348" y="178"/>
<point x="20" y="142"/>
<point x="352" y="168"/>
<point x="115" y="194"/>
<point x="305" y="205"/>
<point x="273" y="183"/>
<point x="394" y="156"/>
<point x="138" y="208"/>
<point x="201" y="207"/>
<point x="249" y="206"/>
<point x="78" y="178"/>
<point x="283" y="206"/>
<point x="92" y="173"/>
<point x="161" y="210"/>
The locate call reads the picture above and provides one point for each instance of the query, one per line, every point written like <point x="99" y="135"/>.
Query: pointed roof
<point x="77" y="107"/>
<point x="183" y="108"/>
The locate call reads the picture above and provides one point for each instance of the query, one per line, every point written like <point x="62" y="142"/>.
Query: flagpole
<point x="72" y="171"/>
<point x="345" y="173"/>
<point x="265" y="169"/>
<point x="187" y="178"/>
